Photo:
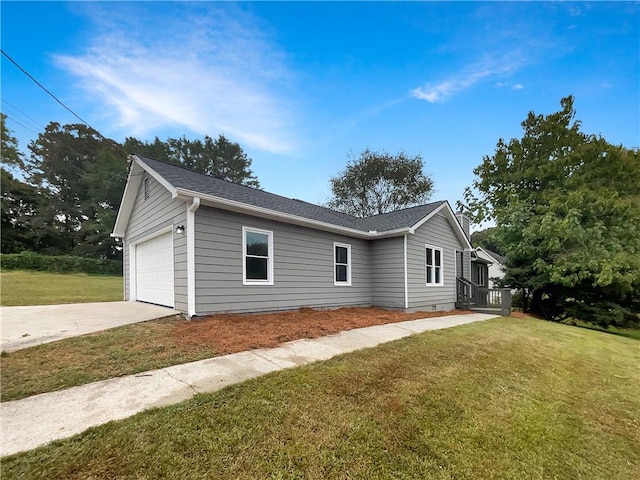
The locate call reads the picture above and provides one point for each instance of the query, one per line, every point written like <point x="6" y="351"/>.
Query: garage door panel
<point x="154" y="270"/>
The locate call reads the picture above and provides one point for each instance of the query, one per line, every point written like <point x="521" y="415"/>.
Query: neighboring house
<point x="203" y="245"/>
<point x="486" y="266"/>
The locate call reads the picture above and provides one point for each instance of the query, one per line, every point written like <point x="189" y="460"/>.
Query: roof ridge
<point x="202" y="184"/>
<point x="186" y="169"/>
<point x="407" y="208"/>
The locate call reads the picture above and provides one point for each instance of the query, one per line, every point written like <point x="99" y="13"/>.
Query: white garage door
<point x="154" y="270"/>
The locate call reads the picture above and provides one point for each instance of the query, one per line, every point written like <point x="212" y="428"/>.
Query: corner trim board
<point x="406" y="283"/>
<point x="191" y="256"/>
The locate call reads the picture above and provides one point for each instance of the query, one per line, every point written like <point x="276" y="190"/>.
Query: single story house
<point x="486" y="267"/>
<point x="203" y="245"/>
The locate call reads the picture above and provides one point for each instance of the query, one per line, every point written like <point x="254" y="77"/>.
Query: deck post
<point x="506" y="302"/>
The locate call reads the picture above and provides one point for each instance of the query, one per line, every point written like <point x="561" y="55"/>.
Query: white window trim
<point x="335" y="263"/>
<point x="441" y="283"/>
<point x="270" y="261"/>
<point x="481" y="274"/>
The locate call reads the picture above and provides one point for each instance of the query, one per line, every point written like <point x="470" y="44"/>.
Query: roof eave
<point x="452" y="220"/>
<point x="138" y="166"/>
<point x="128" y="199"/>
<point x="241" y="207"/>
<point x="495" y="260"/>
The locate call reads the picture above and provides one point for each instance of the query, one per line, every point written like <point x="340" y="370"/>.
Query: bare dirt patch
<point x="231" y="333"/>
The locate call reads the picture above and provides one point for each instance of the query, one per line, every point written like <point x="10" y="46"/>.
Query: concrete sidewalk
<point x="34" y="421"/>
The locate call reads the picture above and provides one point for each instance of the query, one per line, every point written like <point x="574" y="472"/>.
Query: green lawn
<point x="42" y="288"/>
<point x="504" y="399"/>
<point x="111" y="353"/>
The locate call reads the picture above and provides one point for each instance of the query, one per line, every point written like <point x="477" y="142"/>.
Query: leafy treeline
<point x="64" y="197"/>
<point x="566" y="206"/>
<point x="218" y="158"/>
<point x="488" y="239"/>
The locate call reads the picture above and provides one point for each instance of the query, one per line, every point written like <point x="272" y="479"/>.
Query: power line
<point x="45" y="89"/>
<point x="23" y="116"/>
<point x="21" y="124"/>
<point x="60" y="102"/>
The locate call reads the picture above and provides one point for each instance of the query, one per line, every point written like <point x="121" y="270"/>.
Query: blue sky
<point x="301" y="85"/>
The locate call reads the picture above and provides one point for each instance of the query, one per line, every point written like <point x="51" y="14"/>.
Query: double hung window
<point x="342" y="264"/>
<point x="433" y="265"/>
<point x="257" y="253"/>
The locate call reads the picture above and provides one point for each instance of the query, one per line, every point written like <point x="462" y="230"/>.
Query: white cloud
<point x="203" y="69"/>
<point x="517" y="86"/>
<point x="485" y="70"/>
<point x="439" y="92"/>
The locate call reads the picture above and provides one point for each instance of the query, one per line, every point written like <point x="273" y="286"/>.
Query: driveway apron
<point x="22" y="327"/>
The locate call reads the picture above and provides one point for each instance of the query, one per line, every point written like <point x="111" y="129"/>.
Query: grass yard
<point x="42" y="288"/>
<point x="75" y="361"/>
<point x="503" y="399"/>
<point x="160" y="343"/>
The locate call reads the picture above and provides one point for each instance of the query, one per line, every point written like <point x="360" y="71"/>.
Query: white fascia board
<point x="159" y="178"/>
<point x="128" y="199"/>
<point x="262" y="212"/>
<point x="424" y="220"/>
<point x="131" y="191"/>
<point x="445" y="209"/>
<point x="490" y="257"/>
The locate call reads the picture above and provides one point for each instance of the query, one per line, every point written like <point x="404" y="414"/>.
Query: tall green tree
<point x="20" y="201"/>
<point x="567" y="209"/>
<point x="10" y="151"/>
<point x="378" y="183"/>
<point x="220" y="158"/>
<point x="84" y="175"/>
<point x="487" y="238"/>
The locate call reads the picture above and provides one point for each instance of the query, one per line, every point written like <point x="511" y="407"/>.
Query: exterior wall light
<point x="180" y="229"/>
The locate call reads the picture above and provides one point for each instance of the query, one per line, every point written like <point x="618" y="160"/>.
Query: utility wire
<point x="21" y="124"/>
<point x="44" y="88"/>
<point x="23" y="116"/>
<point x="60" y="101"/>
<point x="20" y="115"/>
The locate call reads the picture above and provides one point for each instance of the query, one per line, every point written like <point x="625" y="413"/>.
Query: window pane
<point x="429" y="275"/>
<point x="256" y="268"/>
<point x="429" y="256"/>
<point x="341" y="273"/>
<point x="437" y="272"/>
<point x="341" y="255"/>
<point x="438" y="261"/>
<point x="257" y="244"/>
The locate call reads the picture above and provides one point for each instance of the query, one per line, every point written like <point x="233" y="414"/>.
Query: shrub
<point x="59" y="263"/>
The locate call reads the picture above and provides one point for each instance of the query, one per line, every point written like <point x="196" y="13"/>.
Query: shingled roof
<point x="499" y="258"/>
<point x="185" y="179"/>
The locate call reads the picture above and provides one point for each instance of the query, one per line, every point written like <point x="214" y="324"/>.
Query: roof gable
<point x="184" y="183"/>
<point x="492" y="256"/>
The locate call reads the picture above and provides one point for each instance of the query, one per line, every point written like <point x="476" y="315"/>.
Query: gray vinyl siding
<point x="463" y="265"/>
<point x="387" y="272"/>
<point x="474" y="274"/>
<point x="438" y="233"/>
<point x="152" y="215"/>
<point x="303" y="267"/>
<point x="467" y="265"/>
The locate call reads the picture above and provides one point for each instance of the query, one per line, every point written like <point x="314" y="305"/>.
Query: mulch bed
<point x="231" y="333"/>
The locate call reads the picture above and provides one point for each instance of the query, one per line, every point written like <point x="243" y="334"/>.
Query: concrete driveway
<point x="22" y="327"/>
